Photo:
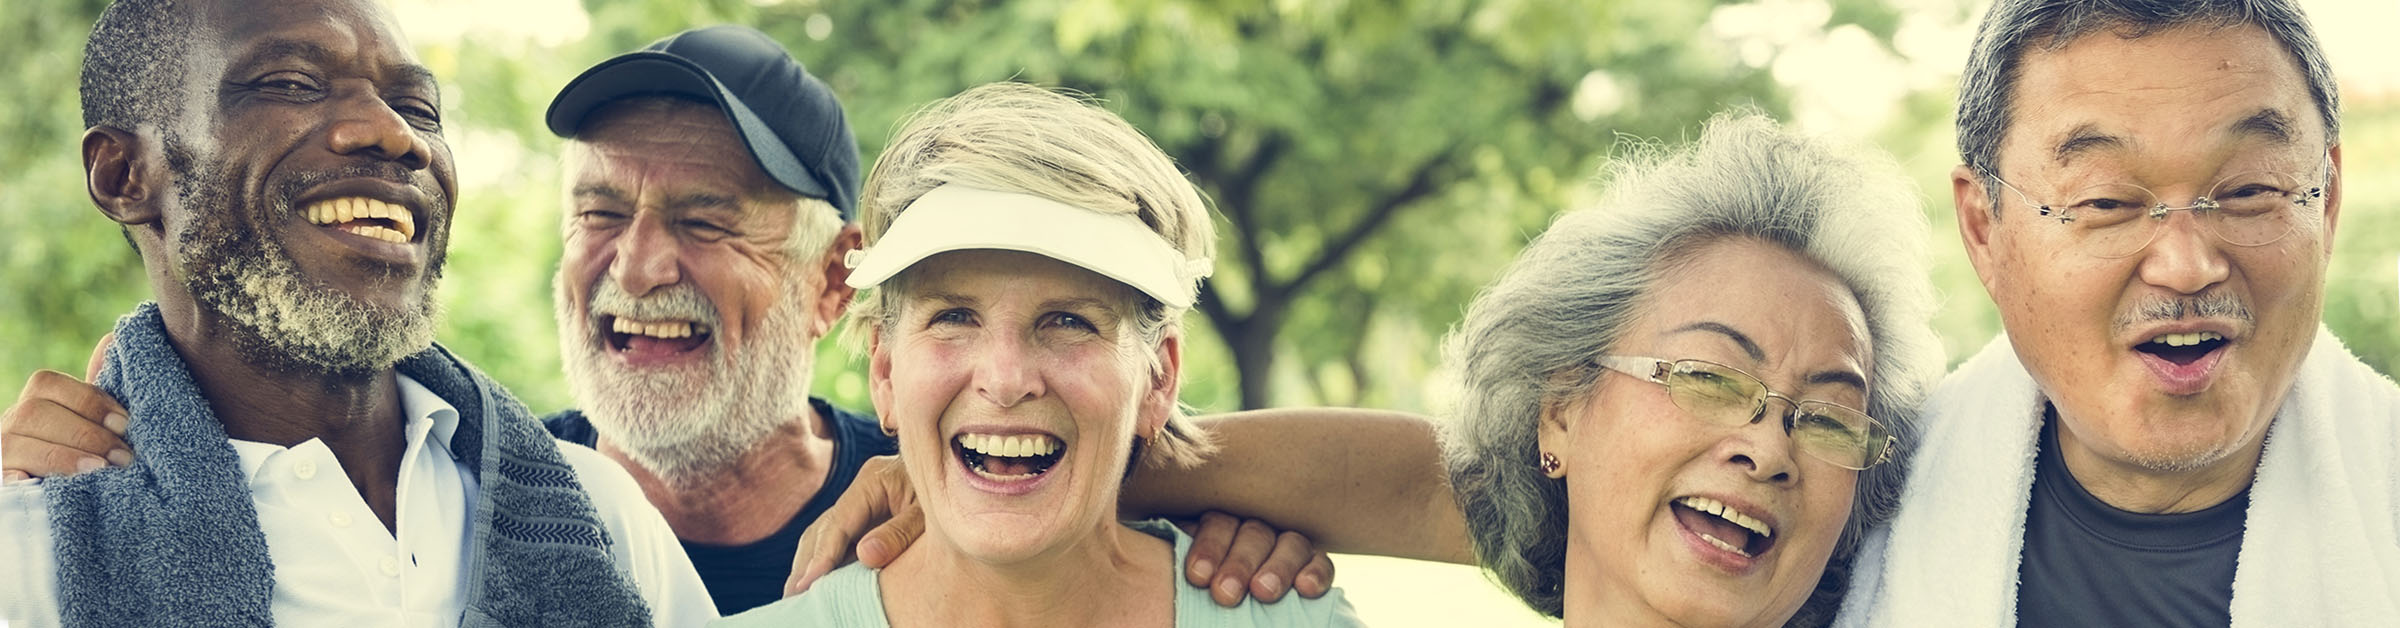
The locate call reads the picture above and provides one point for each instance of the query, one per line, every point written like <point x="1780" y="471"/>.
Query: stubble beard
<point x="690" y="424"/>
<point x="281" y="320"/>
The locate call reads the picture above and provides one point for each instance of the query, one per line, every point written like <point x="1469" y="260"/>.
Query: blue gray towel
<point x="173" y="540"/>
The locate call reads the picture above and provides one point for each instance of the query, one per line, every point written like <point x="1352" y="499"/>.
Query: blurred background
<point x="1373" y="164"/>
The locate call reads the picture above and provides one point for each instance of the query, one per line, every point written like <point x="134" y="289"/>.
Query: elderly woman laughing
<point x="1032" y="258"/>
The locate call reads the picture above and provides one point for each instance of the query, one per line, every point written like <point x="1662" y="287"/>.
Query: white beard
<point x="688" y="424"/>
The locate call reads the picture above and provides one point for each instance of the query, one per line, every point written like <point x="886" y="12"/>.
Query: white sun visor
<point x="955" y="217"/>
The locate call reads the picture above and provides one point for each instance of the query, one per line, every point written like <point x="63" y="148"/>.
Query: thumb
<point x="91" y="369"/>
<point x="885" y="543"/>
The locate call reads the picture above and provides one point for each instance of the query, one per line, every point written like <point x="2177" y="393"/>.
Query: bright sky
<point x="1844" y="81"/>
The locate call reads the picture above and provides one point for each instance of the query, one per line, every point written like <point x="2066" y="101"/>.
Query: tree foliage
<point x="1374" y="163"/>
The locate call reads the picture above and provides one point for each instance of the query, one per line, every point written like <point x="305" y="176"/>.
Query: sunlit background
<point x="1200" y="76"/>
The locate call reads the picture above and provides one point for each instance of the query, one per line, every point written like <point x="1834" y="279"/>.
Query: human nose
<point x="2182" y="255"/>
<point x="1763" y="449"/>
<point x="1007" y="375"/>
<point x="364" y="123"/>
<point x="645" y="256"/>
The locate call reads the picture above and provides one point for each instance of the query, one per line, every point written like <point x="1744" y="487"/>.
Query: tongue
<point x="651" y="346"/>
<point x="1711" y="525"/>
<point x="1003" y="465"/>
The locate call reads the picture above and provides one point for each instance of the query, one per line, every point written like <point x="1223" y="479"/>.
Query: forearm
<point x="1354" y="481"/>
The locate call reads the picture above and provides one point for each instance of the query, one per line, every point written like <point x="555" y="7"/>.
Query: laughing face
<point x="313" y="187"/>
<point x="1018" y="384"/>
<point x="1673" y="519"/>
<point x="687" y="320"/>
<point x="2172" y="359"/>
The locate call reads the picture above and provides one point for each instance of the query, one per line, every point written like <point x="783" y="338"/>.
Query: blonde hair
<point x="1014" y="137"/>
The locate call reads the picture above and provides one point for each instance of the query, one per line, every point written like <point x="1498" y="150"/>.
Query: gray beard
<point x="689" y="424"/>
<point x="281" y="319"/>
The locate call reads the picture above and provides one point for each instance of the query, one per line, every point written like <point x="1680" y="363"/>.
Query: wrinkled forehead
<point x="2189" y="92"/>
<point x="357" y="31"/>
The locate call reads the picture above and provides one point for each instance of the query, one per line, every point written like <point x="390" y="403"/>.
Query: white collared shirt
<point x="336" y="564"/>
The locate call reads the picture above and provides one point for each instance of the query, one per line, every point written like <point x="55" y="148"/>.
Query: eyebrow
<point x="403" y="73"/>
<point x="678" y="202"/>
<point x="2085" y="139"/>
<point x="1750" y="347"/>
<point x="2270" y="124"/>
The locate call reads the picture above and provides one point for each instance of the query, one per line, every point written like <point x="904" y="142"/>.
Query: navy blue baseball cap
<point x="790" y="120"/>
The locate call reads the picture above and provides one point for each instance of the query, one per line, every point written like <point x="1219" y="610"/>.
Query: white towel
<point x="2321" y="547"/>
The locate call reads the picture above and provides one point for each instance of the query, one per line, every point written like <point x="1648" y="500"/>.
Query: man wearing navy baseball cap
<point x="710" y="186"/>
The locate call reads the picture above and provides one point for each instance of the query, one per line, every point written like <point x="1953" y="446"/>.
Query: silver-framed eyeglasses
<point x="1727" y="396"/>
<point x="2113" y="220"/>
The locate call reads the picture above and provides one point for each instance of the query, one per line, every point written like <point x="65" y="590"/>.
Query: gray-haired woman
<point x="1679" y="406"/>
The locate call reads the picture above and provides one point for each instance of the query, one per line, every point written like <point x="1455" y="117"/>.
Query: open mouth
<point x="1008" y="458"/>
<point x="365" y="217"/>
<point x="655" y="337"/>
<point x="2183" y="349"/>
<point x="1724" y="527"/>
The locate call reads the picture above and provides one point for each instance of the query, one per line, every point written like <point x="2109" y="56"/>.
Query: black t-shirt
<point x="2089" y="564"/>
<point x="742" y="577"/>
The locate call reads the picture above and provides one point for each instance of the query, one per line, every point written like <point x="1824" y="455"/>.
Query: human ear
<point x="120" y="176"/>
<point x="1166" y="382"/>
<point x="1973" y="202"/>
<point x="834" y="297"/>
<point x="1554" y="436"/>
<point x="2333" y="195"/>
<point x="879" y="376"/>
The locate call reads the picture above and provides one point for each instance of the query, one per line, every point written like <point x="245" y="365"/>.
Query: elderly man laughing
<point x="2166" y="436"/>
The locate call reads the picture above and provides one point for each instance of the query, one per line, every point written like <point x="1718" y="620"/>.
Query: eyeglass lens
<point x="1727" y="397"/>
<point x="2247" y="209"/>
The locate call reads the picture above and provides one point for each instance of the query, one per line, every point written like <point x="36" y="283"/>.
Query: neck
<point x="357" y="417"/>
<point x="2141" y="489"/>
<point x="754" y="498"/>
<point x="1587" y="600"/>
<point x="1114" y="576"/>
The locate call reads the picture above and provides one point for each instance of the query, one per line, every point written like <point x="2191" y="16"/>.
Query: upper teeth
<point x="1721" y="510"/>
<point x="663" y="329"/>
<point x="1009" y="446"/>
<point x="341" y="210"/>
<point x="2186" y="340"/>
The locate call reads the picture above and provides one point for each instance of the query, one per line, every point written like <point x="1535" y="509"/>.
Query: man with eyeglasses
<point x="2165" y="436"/>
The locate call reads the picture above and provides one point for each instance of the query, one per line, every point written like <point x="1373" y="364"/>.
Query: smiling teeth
<point x="1721" y="544"/>
<point x="2186" y="340"/>
<point x="341" y="210"/>
<point x="1727" y="513"/>
<point x="1009" y="446"/>
<point x="665" y="329"/>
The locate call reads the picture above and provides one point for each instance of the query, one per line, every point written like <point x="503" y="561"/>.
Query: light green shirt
<point x="851" y="596"/>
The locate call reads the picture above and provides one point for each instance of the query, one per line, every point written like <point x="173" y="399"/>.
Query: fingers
<point x="1212" y="536"/>
<point x="62" y="426"/>
<point x="880" y="490"/>
<point x="1252" y="542"/>
<point x="888" y="540"/>
<point x="1276" y="575"/>
<point x="1316" y="578"/>
<point x="91" y="368"/>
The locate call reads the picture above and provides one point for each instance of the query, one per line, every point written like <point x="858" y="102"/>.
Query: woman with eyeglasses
<point x="1680" y="406"/>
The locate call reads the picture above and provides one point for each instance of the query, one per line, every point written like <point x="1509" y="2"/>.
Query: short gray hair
<point x="1014" y="137"/>
<point x="1987" y="89"/>
<point x="1528" y="340"/>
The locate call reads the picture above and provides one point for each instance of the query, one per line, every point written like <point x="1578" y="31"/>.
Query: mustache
<point x="678" y="301"/>
<point x="419" y="180"/>
<point x="2216" y="305"/>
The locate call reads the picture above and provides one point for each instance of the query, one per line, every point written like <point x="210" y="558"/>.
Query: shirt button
<point x="338" y="520"/>
<point x="391" y="566"/>
<point x="306" y="469"/>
